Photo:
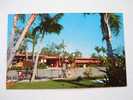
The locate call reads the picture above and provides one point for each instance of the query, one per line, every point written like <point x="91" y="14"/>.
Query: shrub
<point x="42" y="66"/>
<point x="116" y="72"/>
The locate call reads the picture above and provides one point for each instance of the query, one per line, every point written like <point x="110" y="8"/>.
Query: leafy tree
<point x="77" y="53"/>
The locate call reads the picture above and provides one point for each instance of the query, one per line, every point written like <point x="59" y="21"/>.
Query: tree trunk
<point x="33" y="49"/>
<point x="41" y="44"/>
<point x="111" y="69"/>
<point x="106" y="33"/>
<point x="109" y="49"/>
<point x="26" y="54"/>
<point x="31" y="20"/>
<point x="12" y="36"/>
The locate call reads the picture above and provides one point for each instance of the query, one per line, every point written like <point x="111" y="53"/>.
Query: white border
<point x="41" y="6"/>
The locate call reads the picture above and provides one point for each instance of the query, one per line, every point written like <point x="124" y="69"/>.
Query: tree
<point x="103" y="50"/>
<point x="23" y="34"/>
<point x="71" y="59"/>
<point x="93" y="55"/>
<point x="110" y="24"/>
<point x="49" y="50"/>
<point x="23" y="46"/>
<point x="48" y="25"/>
<point x="78" y="53"/>
<point x="33" y="37"/>
<point x="16" y="18"/>
<point x="98" y="50"/>
<point x="60" y="50"/>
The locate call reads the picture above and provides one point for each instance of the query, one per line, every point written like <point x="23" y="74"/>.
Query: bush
<point x="116" y="72"/>
<point x="15" y="68"/>
<point x="79" y="78"/>
<point x="42" y="66"/>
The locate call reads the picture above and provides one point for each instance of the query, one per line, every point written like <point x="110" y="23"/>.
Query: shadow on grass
<point x="77" y="82"/>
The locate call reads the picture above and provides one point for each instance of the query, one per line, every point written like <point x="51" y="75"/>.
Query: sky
<point x="80" y="32"/>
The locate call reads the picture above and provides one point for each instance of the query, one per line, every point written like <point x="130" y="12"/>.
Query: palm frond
<point x="113" y="22"/>
<point x="55" y="28"/>
<point x="44" y="16"/>
<point x="22" y="17"/>
<point x="57" y="17"/>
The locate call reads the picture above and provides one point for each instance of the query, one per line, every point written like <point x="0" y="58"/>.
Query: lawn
<point x="56" y="84"/>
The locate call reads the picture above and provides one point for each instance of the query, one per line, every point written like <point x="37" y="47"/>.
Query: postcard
<point x="65" y="51"/>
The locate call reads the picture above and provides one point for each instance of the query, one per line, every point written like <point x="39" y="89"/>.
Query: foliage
<point x="15" y="68"/>
<point x="71" y="58"/>
<point x="116" y="69"/>
<point x="77" y="53"/>
<point x="115" y="23"/>
<point x="98" y="50"/>
<point x="116" y="73"/>
<point x="42" y="66"/>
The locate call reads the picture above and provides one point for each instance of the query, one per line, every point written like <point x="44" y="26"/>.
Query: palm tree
<point x="110" y="24"/>
<point x="33" y="37"/>
<point x="98" y="50"/>
<point x="23" y="34"/>
<point x="48" y="25"/>
<point x="103" y="50"/>
<point x="16" y="18"/>
<point x="60" y="50"/>
<point x="23" y="46"/>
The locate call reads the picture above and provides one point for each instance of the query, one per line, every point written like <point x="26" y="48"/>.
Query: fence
<point x="62" y="73"/>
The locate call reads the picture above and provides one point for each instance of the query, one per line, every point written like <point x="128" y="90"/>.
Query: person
<point x="21" y="75"/>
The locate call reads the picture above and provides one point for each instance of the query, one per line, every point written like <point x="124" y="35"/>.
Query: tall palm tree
<point x="110" y="24"/>
<point x="48" y="25"/>
<point x="16" y="18"/>
<point x="23" y="34"/>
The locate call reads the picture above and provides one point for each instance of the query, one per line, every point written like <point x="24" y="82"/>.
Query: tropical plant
<point x="71" y="59"/>
<point x="33" y="37"/>
<point x="49" y="24"/>
<point x="22" y="36"/>
<point x="16" y="18"/>
<point x="98" y="50"/>
<point x="110" y="24"/>
<point x="77" y="53"/>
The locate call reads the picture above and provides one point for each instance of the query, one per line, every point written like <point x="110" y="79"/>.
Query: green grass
<point x="57" y="84"/>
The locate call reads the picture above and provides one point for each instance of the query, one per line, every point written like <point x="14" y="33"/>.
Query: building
<point x="22" y="60"/>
